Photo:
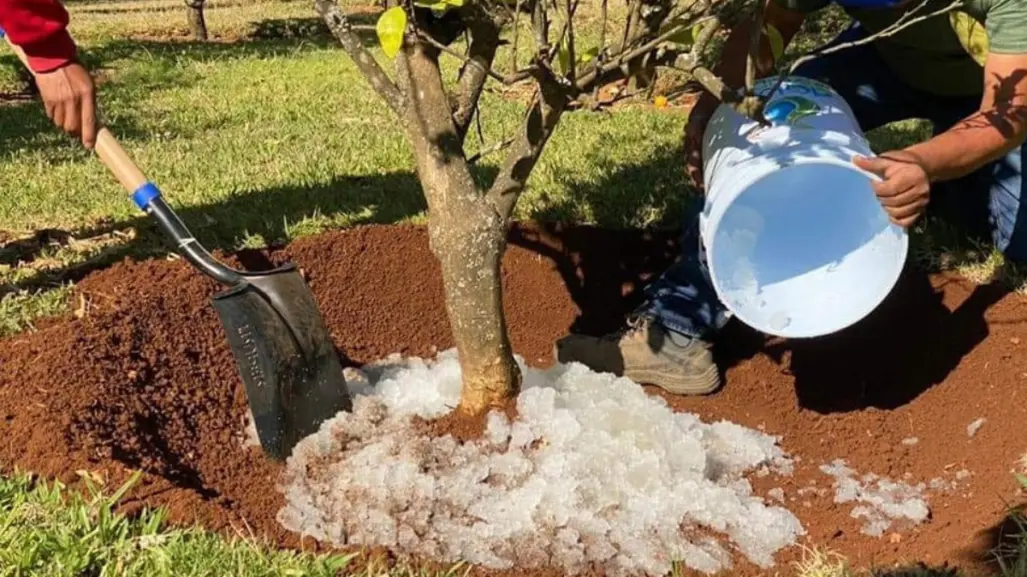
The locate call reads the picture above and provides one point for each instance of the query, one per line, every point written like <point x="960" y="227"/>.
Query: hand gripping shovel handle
<point x="148" y="198"/>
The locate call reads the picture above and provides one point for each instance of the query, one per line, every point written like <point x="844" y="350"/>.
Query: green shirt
<point x="944" y="54"/>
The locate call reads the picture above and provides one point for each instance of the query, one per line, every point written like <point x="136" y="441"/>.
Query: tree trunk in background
<point x="197" y="24"/>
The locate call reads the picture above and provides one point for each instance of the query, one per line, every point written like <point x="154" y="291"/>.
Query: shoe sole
<point x="671" y="381"/>
<point x="677" y="384"/>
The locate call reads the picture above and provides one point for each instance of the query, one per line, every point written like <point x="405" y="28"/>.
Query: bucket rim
<point x="862" y="312"/>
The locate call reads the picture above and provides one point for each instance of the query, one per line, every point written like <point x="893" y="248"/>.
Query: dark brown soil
<point x="463" y="427"/>
<point x="144" y="379"/>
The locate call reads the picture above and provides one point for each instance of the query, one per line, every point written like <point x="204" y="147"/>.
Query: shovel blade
<point x="285" y="356"/>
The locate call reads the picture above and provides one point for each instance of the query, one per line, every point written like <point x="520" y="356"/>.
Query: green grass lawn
<point x="262" y="135"/>
<point x="47" y="530"/>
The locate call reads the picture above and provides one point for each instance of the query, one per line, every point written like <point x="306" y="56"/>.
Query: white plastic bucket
<point x="797" y="244"/>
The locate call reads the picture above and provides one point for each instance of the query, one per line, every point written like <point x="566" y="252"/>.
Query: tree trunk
<point x="197" y="24"/>
<point x="467" y="235"/>
<point x="470" y="252"/>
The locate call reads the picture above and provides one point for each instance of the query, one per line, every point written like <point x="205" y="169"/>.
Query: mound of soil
<point x="141" y="377"/>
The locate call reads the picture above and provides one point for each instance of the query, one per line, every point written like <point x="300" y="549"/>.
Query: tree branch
<point x="602" y="72"/>
<point x="601" y="52"/>
<point x="481" y="53"/>
<point x="703" y="40"/>
<point x="540" y="23"/>
<point x="516" y="33"/>
<point x="544" y="113"/>
<point x="564" y="30"/>
<point x="751" y="105"/>
<point x="501" y="145"/>
<point x="507" y="79"/>
<point x="706" y="78"/>
<point x="755" y="43"/>
<point x="343" y="31"/>
<point x="570" y="38"/>
<point x="633" y="9"/>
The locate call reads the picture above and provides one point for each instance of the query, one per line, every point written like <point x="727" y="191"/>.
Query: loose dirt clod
<point x="591" y="472"/>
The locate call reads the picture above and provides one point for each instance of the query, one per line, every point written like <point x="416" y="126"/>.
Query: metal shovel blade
<point x="288" y="364"/>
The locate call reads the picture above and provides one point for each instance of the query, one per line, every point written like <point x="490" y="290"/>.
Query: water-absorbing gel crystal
<point x="882" y="502"/>
<point x="593" y="472"/>
<point x="743" y="290"/>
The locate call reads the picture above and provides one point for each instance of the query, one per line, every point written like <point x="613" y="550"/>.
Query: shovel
<point x="285" y="356"/>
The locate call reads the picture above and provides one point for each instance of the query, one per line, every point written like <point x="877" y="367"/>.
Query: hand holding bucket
<point x="797" y="243"/>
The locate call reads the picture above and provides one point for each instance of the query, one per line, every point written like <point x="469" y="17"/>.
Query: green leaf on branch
<point x="390" y="28"/>
<point x="687" y="36"/>
<point x="581" y="57"/>
<point x="586" y="56"/>
<point x="777" y="42"/>
<point x="439" y="7"/>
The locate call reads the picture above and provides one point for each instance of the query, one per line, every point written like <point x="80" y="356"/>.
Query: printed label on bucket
<point x="801" y="105"/>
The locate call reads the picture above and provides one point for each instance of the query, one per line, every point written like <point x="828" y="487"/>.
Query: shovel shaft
<point x="148" y="198"/>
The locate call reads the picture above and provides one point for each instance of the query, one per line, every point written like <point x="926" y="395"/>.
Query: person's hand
<point x="69" y="97"/>
<point x="905" y="188"/>
<point x="698" y="119"/>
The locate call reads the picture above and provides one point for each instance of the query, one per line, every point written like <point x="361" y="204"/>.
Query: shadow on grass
<point x="313" y="29"/>
<point x="24" y="126"/>
<point x="1004" y="546"/>
<point x="269" y="213"/>
<point x="652" y="194"/>
<point x="268" y="37"/>
<point x="114" y="7"/>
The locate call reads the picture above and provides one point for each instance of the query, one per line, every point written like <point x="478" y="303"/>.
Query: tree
<point x="197" y="23"/>
<point x="468" y="224"/>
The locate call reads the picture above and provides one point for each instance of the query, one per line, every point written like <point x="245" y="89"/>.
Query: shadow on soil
<point x="1000" y="551"/>
<point x="909" y="344"/>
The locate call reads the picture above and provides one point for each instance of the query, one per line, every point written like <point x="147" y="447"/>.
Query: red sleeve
<point x="40" y="28"/>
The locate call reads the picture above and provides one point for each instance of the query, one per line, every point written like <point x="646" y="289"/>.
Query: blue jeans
<point x="987" y="201"/>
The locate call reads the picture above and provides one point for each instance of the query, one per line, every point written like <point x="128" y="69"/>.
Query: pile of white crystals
<point x="592" y="472"/>
<point x="882" y="502"/>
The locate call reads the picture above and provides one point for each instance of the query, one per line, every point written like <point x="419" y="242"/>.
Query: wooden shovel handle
<point x="110" y="152"/>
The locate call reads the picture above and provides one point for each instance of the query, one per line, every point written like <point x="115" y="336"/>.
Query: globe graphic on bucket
<point x="797" y="243"/>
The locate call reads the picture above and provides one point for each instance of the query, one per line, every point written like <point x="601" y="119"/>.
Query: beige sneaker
<point x="647" y="354"/>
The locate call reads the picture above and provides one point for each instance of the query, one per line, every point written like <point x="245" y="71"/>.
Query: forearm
<point x="39" y="27"/>
<point x="976" y="141"/>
